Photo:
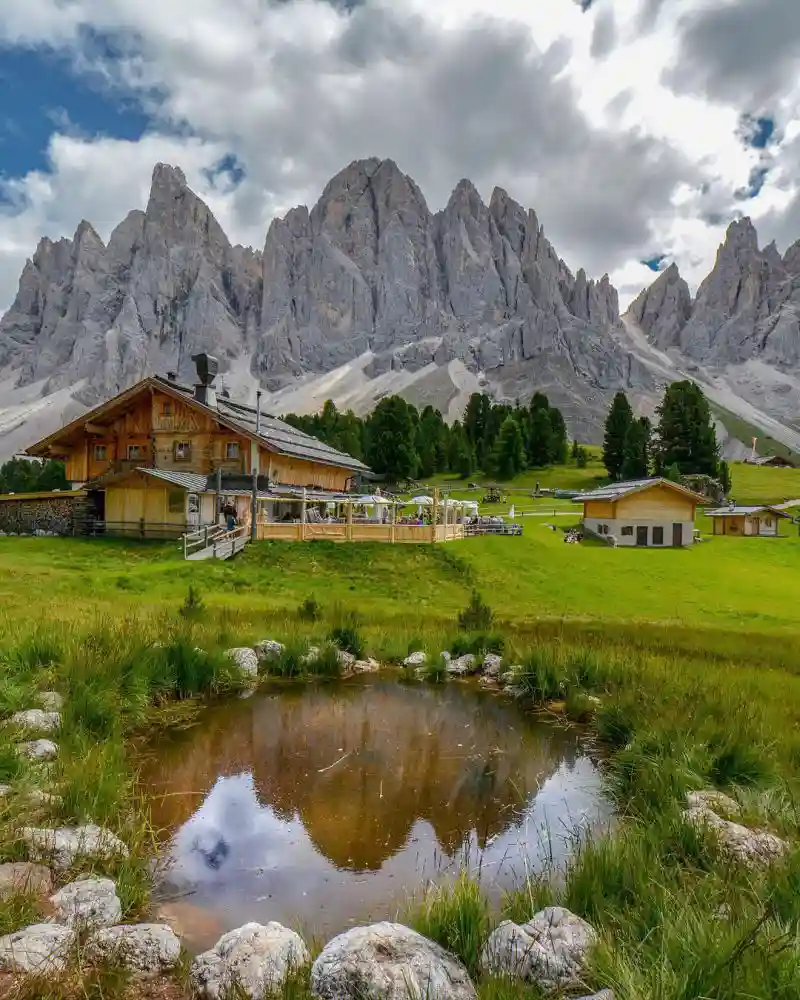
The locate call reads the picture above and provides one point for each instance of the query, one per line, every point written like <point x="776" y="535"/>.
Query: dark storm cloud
<point x="745" y="52"/>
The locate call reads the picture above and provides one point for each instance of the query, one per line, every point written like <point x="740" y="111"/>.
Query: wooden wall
<point x="296" y="472"/>
<point x="656" y="504"/>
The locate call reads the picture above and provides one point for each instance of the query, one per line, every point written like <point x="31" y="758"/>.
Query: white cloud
<point x="621" y="160"/>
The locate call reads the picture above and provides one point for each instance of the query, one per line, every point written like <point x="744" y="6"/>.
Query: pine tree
<point x="540" y="436"/>
<point x="575" y="448"/>
<point x="619" y="419"/>
<point x="636" y="453"/>
<point x="686" y="435"/>
<point x="559" y="446"/>
<point x="509" y="451"/>
<point x="724" y="476"/>
<point x="391" y="439"/>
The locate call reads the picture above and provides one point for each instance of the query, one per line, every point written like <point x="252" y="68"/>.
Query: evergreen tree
<point x="673" y="473"/>
<point x="575" y="449"/>
<point x="559" y="446"/>
<point x="509" y="451"/>
<point x="636" y="453"/>
<point x="391" y="437"/>
<point x="22" y="475"/>
<point x="582" y="458"/>
<point x="686" y="436"/>
<point x="724" y="476"/>
<point x="539" y="402"/>
<point x="540" y="436"/>
<point x="477" y="418"/>
<point x="619" y="419"/>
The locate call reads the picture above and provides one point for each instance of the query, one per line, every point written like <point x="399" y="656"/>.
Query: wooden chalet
<point x="648" y="513"/>
<point x="163" y="458"/>
<point x="746" y="522"/>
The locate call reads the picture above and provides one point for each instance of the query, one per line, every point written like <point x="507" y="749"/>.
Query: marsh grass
<point x="456" y="917"/>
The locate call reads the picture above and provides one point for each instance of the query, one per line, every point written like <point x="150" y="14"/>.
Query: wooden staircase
<point x="214" y="542"/>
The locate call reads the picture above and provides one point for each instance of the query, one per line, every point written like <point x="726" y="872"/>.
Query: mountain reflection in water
<point x="324" y="806"/>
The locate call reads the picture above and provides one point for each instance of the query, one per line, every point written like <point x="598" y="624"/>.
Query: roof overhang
<point x="643" y="488"/>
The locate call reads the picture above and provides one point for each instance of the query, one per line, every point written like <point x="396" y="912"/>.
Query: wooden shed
<point x="748" y="521"/>
<point x="648" y="513"/>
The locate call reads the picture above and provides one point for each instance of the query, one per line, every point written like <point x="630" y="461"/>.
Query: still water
<point x="322" y="807"/>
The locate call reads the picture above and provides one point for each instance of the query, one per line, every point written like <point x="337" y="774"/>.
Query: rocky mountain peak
<point x="740" y="235"/>
<point x="663" y="309"/>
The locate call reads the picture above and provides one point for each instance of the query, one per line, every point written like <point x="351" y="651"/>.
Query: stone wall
<point x="29" y="515"/>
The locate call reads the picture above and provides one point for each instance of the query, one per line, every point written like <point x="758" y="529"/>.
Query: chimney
<point x="172" y="376"/>
<point x="258" y="411"/>
<point x="207" y="368"/>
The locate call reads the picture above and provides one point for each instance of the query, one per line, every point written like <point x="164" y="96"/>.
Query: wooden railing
<point x="195" y="541"/>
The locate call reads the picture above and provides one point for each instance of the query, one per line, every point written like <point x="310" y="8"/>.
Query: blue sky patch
<point x="756" y="181"/>
<point x="756" y="131"/>
<point x="40" y="94"/>
<point x="227" y="172"/>
<point x="655" y="263"/>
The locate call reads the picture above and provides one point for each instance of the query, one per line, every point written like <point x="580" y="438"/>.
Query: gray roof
<point x="616" y="490"/>
<point x="276" y="434"/>
<point x="190" y="481"/>
<point x="722" y="511"/>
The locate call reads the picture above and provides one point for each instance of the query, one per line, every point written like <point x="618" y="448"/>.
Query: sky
<point x="637" y="129"/>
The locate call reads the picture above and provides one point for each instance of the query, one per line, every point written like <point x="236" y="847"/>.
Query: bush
<point x="326" y="663"/>
<point x="310" y="610"/>
<point x="193" y="606"/>
<point x="348" y="638"/>
<point x="291" y="662"/>
<point x="477" y="616"/>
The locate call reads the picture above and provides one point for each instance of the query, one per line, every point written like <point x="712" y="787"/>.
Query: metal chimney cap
<point x="207" y="367"/>
<point x="172" y="376"/>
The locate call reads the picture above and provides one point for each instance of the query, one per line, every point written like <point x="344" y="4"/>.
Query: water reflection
<point x="326" y="806"/>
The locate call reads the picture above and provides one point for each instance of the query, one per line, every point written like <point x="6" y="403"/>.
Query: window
<point x="176" y="499"/>
<point x="232" y="450"/>
<point x="658" y="536"/>
<point x="602" y="529"/>
<point x="627" y="530"/>
<point x="183" y="451"/>
<point x="100" y="453"/>
<point x="135" y="452"/>
<point x="166" y="409"/>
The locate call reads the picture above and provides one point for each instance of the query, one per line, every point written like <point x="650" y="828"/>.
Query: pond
<point x="326" y="806"/>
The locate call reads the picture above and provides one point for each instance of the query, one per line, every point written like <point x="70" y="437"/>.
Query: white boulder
<point x="254" y="960"/>
<point x="463" y="666"/>
<point x="550" y="950"/>
<point x="389" y="961"/>
<point x="146" y="950"/>
<point x="245" y="659"/>
<point x="418" y="659"/>
<point x="22" y="876"/>
<point x="41" y="949"/>
<point x="36" y="720"/>
<point x="753" y="848"/>
<point x="346" y="660"/>
<point x="50" y="701"/>
<point x="368" y="666"/>
<point x="89" y="902"/>
<point x="492" y="665"/>
<point x="38" y="749"/>
<point x="268" y="649"/>
<point x="718" y="802"/>
<point x="62" y="847"/>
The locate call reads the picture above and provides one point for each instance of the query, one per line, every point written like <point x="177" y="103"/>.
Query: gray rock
<point x="255" y="960"/>
<point x="550" y="950"/>
<point x="146" y="950"/>
<point x="390" y="962"/>
<point x="89" y="902"/>
<point x="62" y="847"/>
<point x="602" y="995"/>
<point x="40" y="798"/>
<point x="368" y="666"/>
<point x="463" y="666"/>
<point x="418" y="659"/>
<point x="346" y="660"/>
<point x="492" y="665"/>
<point x="268" y="650"/>
<point x="50" y="701"/>
<point x="41" y="949"/>
<point x="22" y="876"/>
<point x="718" y="802"/>
<point x="752" y="848"/>
<point x="663" y="309"/>
<point x="38" y="749"/>
<point x="36" y="720"/>
<point x="246" y="661"/>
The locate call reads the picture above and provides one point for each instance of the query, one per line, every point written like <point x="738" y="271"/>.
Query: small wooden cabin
<point x="748" y="521"/>
<point x="653" y="513"/>
<point x="161" y="458"/>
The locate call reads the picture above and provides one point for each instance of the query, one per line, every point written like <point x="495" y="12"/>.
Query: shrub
<point x="310" y="610"/>
<point x="291" y="662"/>
<point x="326" y="663"/>
<point x="541" y="675"/>
<point x="477" y="615"/>
<point x="193" y="606"/>
<point x="348" y="638"/>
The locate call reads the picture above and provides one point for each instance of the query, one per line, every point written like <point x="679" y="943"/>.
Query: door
<point x="641" y="535"/>
<point x="677" y="536"/>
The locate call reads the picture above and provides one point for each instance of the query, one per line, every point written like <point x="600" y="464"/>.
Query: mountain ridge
<point x="366" y="293"/>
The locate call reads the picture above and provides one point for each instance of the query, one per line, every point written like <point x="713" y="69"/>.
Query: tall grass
<point x="456" y="917"/>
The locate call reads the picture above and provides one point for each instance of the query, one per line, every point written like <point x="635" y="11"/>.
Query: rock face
<point x="368" y="271"/>
<point x="41" y="949"/>
<point x="752" y="848"/>
<point x="254" y="960"/>
<point x="391" y="962"/>
<point x="64" y="846"/>
<point x="663" y="309"/>
<point x="550" y="950"/>
<point x="146" y="950"/>
<point x="89" y="902"/>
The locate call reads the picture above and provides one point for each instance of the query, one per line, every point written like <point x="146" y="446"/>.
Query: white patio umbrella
<point x="372" y="501"/>
<point x="422" y="501"/>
